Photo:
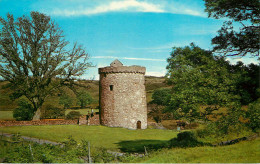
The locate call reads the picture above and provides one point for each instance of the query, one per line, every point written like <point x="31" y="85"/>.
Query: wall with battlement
<point x="122" y="69"/>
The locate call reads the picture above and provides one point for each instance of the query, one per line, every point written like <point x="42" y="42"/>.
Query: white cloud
<point x="88" y="8"/>
<point x="186" y="11"/>
<point x="126" y="58"/>
<point x="127" y="5"/>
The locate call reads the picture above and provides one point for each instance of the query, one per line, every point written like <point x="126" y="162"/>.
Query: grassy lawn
<point x="6" y="115"/>
<point x="99" y="136"/>
<point x="244" y="152"/>
<point x="135" y="140"/>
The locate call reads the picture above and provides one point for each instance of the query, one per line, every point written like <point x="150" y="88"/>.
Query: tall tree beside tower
<point x="34" y="58"/>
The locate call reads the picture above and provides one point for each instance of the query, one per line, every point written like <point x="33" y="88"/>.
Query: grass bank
<point x="243" y="152"/>
<point x="6" y="115"/>
<point x="99" y="136"/>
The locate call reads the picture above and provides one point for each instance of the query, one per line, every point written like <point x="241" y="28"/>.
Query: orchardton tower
<point x="122" y="96"/>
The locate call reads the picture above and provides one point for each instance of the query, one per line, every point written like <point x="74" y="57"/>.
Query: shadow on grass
<point x="187" y="139"/>
<point x="183" y="140"/>
<point x="137" y="146"/>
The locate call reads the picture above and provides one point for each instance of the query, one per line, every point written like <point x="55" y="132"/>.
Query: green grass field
<point x="6" y="115"/>
<point x="135" y="140"/>
<point x="99" y="136"/>
<point x="243" y="152"/>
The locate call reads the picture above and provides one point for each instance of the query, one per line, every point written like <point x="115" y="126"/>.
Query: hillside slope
<point x="6" y="104"/>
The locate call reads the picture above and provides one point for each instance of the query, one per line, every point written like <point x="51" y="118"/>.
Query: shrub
<point x="253" y="114"/>
<point x="185" y="139"/>
<point x="186" y="136"/>
<point x="161" y="96"/>
<point x="102" y="156"/>
<point x="209" y="130"/>
<point x="24" y="112"/>
<point x="73" y="115"/>
<point x="156" y="112"/>
<point x="52" y="112"/>
<point x="230" y="123"/>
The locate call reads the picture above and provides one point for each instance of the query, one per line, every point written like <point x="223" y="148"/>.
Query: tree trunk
<point x="37" y="115"/>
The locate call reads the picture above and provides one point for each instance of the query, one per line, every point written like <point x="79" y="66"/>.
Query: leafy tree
<point x="161" y="96"/>
<point x="65" y="100"/>
<point x="52" y="112"/>
<point x="230" y="123"/>
<point x="199" y="78"/>
<point x="253" y="114"/>
<point x="35" y="60"/>
<point x="84" y="98"/>
<point x="24" y="112"/>
<point x="247" y="81"/>
<point x="229" y="40"/>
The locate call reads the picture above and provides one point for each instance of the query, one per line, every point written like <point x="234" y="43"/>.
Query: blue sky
<point x="137" y="32"/>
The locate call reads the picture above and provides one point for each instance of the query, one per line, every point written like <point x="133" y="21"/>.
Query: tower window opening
<point x="111" y="87"/>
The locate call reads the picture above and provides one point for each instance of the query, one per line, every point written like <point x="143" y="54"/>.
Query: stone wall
<point x="40" y="122"/>
<point x="94" y="120"/>
<point x="90" y="119"/>
<point x="83" y="120"/>
<point x="123" y="97"/>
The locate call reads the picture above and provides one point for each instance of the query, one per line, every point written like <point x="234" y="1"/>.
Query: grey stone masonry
<point x="122" y="96"/>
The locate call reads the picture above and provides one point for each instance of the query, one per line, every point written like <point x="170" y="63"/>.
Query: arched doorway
<point x="138" y="124"/>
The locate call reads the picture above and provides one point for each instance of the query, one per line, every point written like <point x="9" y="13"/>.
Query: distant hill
<point x="151" y="83"/>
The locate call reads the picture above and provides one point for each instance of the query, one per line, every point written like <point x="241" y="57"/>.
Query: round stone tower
<point x="122" y="96"/>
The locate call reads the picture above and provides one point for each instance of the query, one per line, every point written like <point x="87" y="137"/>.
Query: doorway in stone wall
<point x="138" y="124"/>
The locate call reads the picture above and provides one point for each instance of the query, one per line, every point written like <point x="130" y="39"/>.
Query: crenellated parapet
<point x="122" y="69"/>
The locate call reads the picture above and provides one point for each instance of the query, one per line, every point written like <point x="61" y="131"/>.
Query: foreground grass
<point x="6" y="115"/>
<point x="99" y="136"/>
<point x="243" y="152"/>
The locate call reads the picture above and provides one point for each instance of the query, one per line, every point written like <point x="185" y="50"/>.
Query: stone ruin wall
<point x="90" y="119"/>
<point x="39" y="122"/>
<point x="125" y="104"/>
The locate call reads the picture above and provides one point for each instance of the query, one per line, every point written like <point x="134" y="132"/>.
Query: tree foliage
<point x="199" y="78"/>
<point x="65" y="100"/>
<point x="52" y="112"/>
<point x="253" y="114"/>
<point x="247" y="85"/>
<point x="35" y="59"/>
<point x="161" y="96"/>
<point x="24" y="111"/>
<point x="84" y="98"/>
<point x="230" y="40"/>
